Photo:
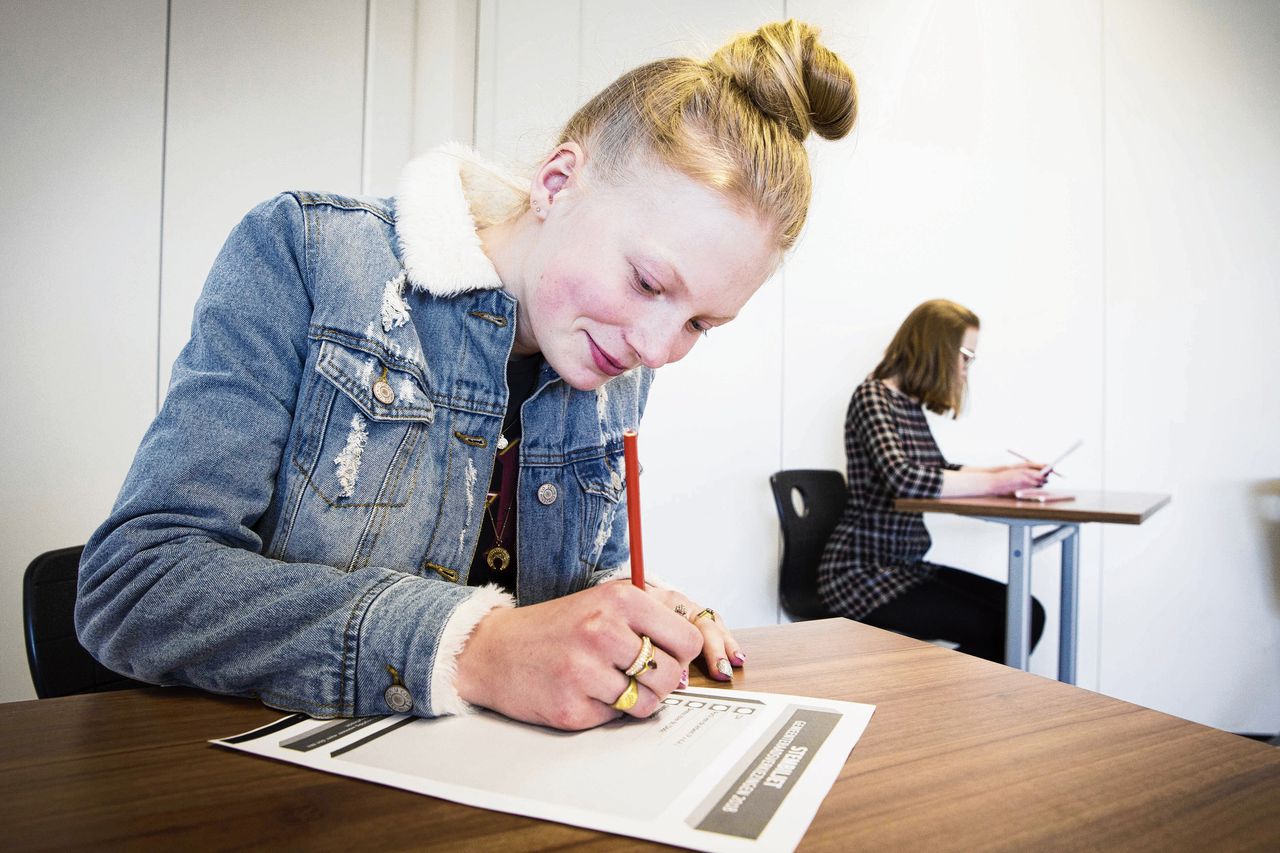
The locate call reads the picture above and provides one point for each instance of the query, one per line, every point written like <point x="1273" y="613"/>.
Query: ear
<point x="559" y="171"/>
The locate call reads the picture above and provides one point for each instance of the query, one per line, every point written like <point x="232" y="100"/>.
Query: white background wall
<point x="1098" y="180"/>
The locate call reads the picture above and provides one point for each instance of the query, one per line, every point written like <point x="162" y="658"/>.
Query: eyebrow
<point x="674" y="274"/>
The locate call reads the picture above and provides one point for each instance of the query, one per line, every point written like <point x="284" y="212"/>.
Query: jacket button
<point x="399" y="699"/>
<point x="382" y="391"/>
<point x="546" y="494"/>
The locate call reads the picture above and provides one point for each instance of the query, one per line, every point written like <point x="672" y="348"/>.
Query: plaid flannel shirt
<point x="875" y="554"/>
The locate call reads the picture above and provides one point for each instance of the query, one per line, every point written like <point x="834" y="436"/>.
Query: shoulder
<point x="341" y="223"/>
<point x="871" y="393"/>
<point x="338" y="205"/>
<point x="343" y="248"/>
<point x="298" y="204"/>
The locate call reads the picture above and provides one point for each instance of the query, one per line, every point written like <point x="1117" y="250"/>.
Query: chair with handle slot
<point x="59" y="665"/>
<point x="809" y="503"/>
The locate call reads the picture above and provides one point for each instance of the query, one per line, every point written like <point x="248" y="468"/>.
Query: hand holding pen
<point x="1051" y="468"/>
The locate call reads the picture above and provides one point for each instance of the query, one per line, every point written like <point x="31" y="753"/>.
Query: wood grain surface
<point x="1109" y="507"/>
<point x="961" y="754"/>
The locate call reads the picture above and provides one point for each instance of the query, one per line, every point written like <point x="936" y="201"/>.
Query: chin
<point x="586" y="382"/>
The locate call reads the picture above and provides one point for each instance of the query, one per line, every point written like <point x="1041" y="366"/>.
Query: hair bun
<point x="791" y="77"/>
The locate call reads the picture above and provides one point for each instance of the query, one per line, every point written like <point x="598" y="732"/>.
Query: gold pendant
<point x="498" y="558"/>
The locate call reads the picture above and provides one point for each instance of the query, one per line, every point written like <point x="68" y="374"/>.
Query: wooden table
<point x="962" y="754"/>
<point x="1065" y="517"/>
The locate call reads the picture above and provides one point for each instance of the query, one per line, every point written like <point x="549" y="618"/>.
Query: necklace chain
<point x="498" y="557"/>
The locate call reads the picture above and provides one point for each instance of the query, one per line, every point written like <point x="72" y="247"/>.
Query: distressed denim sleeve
<point x="173" y="586"/>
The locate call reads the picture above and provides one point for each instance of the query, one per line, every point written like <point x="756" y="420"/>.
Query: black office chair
<point x="59" y="664"/>
<point x="821" y="497"/>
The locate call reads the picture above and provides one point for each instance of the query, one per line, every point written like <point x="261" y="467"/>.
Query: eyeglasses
<point x="968" y="355"/>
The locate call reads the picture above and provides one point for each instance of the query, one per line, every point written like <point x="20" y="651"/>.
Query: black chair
<point x="809" y="504"/>
<point x="59" y="664"/>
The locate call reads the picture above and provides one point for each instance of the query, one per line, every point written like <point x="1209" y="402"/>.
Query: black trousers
<point x="956" y="606"/>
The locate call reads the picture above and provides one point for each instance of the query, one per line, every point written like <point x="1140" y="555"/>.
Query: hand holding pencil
<point x="720" y="651"/>
<point x="582" y="660"/>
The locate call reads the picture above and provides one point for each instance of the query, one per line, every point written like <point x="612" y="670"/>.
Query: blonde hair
<point x="922" y="357"/>
<point x="735" y="122"/>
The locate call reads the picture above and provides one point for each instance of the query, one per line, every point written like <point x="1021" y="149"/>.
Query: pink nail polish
<point x="740" y="658"/>
<point x="684" y="678"/>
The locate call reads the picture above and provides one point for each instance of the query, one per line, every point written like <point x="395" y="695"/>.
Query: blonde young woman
<point x="398" y="419"/>
<point x="873" y="568"/>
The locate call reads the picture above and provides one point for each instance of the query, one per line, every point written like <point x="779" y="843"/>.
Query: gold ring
<point x="643" y="660"/>
<point x="629" y="697"/>
<point x="706" y="611"/>
<point x="682" y="610"/>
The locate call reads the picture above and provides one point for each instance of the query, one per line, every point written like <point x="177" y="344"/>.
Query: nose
<point x="657" y="343"/>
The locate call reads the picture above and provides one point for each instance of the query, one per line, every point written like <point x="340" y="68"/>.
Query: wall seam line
<point x="365" y="124"/>
<point x="782" y="400"/>
<point x="164" y="168"/>
<point x="475" y="76"/>
<point x="1106" y="331"/>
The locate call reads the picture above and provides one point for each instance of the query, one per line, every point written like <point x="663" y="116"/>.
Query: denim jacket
<point x="300" y="519"/>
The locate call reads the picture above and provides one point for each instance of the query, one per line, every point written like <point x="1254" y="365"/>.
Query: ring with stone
<point x="643" y="660"/>
<point x="682" y="610"/>
<point x="629" y="697"/>
<point x="706" y="611"/>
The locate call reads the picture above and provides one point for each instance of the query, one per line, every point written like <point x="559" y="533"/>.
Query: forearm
<point x="185" y="609"/>
<point x="1002" y="480"/>
<point x="967" y="482"/>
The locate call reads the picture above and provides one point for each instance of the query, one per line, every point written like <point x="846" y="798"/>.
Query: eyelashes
<point x="643" y="286"/>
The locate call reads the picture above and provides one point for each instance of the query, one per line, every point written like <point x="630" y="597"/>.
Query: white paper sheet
<point x="717" y="770"/>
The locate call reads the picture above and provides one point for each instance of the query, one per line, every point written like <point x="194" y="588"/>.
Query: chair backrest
<point x="59" y="664"/>
<point x="820" y="496"/>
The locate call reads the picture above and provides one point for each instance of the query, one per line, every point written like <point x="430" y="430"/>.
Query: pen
<point x="1048" y="469"/>
<point x="1044" y="471"/>
<point x="632" y="457"/>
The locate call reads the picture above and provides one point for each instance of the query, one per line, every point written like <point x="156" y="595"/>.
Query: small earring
<point x="537" y="209"/>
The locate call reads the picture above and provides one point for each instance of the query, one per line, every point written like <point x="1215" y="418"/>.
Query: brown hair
<point x="735" y="123"/>
<point x="921" y="358"/>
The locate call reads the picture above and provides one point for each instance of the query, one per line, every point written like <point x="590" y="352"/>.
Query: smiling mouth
<point x="604" y="363"/>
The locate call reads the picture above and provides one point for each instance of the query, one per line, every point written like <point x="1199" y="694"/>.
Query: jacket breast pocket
<point x="364" y="423"/>
<point x="602" y="489"/>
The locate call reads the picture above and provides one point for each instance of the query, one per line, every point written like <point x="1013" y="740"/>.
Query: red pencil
<point x="632" y="457"/>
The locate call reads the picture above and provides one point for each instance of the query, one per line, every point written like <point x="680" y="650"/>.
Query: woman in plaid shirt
<point x="873" y="569"/>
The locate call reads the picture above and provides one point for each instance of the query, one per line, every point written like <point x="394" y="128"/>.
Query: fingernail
<point x="723" y="667"/>
<point x="739" y="658"/>
<point x="684" y="678"/>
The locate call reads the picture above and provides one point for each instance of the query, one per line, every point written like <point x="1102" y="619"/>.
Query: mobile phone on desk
<point x="1043" y="496"/>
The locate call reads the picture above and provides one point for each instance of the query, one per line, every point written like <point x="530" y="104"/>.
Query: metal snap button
<point x="399" y="699"/>
<point x="383" y="393"/>
<point x="547" y="494"/>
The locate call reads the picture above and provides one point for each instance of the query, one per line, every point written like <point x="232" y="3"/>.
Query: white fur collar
<point x="441" y="196"/>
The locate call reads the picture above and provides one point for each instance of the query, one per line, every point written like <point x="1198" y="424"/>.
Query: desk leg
<point x="1017" y="632"/>
<point x="1069" y="608"/>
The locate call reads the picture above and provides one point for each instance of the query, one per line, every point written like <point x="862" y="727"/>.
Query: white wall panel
<point x="82" y="105"/>
<point x="1191" y="615"/>
<point x="974" y="177"/>
<point x="263" y="97"/>
<point x="389" y="94"/>
<point x="445" y="67"/>
<point x="527" y="67"/>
